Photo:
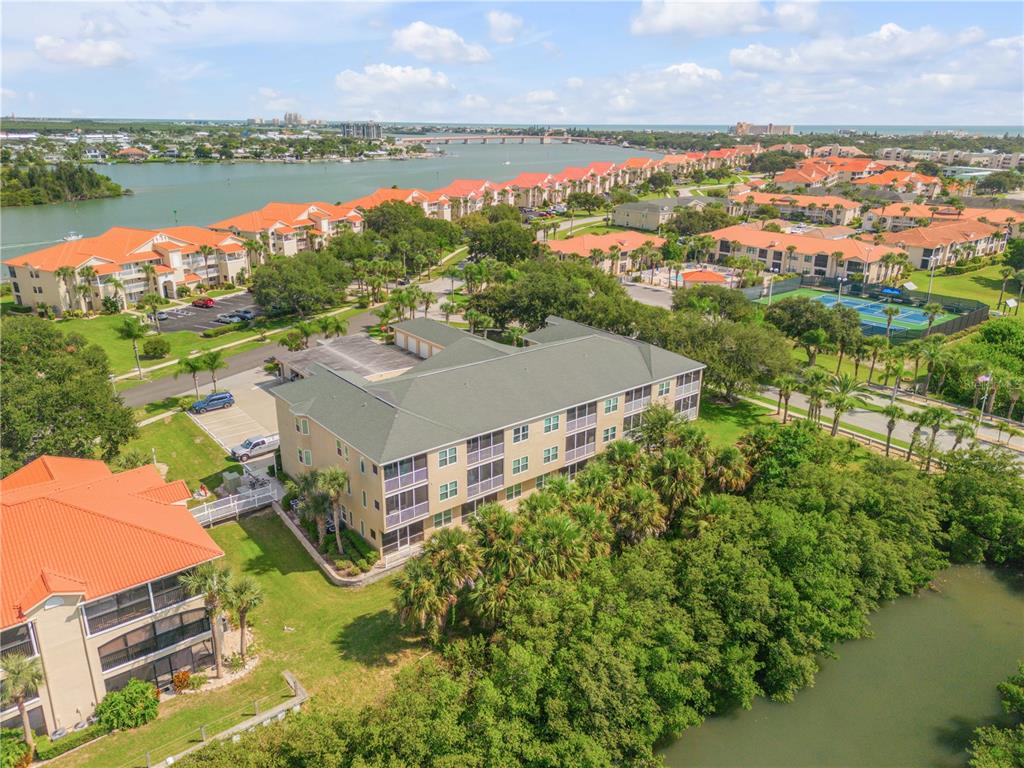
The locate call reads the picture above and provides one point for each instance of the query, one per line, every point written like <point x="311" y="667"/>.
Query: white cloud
<point x="87" y="52"/>
<point x="473" y="102"/>
<point x="890" y="44"/>
<point x="574" y="82"/>
<point x="7" y="93"/>
<point x="183" y="72"/>
<point x="391" y="92"/>
<point x="659" y="17"/>
<point x="505" y="27"/>
<point x="644" y="91"/>
<point x="544" y="96"/>
<point x="275" y="101"/>
<point x="429" y="43"/>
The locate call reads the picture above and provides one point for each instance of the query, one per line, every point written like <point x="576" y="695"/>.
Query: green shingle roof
<point x="431" y="330"/>
<point x="469" y="389"/>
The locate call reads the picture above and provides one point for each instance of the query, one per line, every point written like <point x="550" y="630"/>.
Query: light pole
<point x="839" y="288"/>
<point x="771" y="284"/>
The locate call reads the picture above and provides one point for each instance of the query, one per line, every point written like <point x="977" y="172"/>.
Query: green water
<point x="909" y="696"/>
<point x="182" y="193"/>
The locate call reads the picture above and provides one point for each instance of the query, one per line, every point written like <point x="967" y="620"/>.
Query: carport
<point x="347" y="353"/>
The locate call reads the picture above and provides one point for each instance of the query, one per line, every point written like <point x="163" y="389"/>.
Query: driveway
<point x="646" y="294"/>
<point x="254" y="412"/>
<point x="189" y="318"/>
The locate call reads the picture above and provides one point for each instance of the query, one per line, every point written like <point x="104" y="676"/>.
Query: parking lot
<point x="196" y="319"/>
<point x="252" y="414"/>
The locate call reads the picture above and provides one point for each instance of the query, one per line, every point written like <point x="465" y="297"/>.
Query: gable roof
<point x="582" y="246"/>
<point x="112" y="246"/>
<point x="943" y="233"/>
<point x="73" y="526"/>
<point x="856" y="250"/>
<point x="431" y="330"/>
<point x="277" y="215"/>
<point x="782" y="198"/>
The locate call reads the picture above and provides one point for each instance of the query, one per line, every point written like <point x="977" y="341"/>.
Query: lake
<point x="909" y="696"/>
<point x="182" y="193"/>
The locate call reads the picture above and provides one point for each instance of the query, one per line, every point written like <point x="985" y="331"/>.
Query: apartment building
<point x="614" y="252"/>
<point x="996" y="160"/>
<point x="467" y="196"/>
<point x="820" y="209"/>
<point x="650" y="215"/>
<point x="475" y="422"/>
<point x="805" y="254"/>
<point x="126" y="264"/>
<point x="945" y="243"/>
<point x="838" y="150"/>
<point x="755" y="129"/>
<point x="288" y="228"/>
<point x="899" y="216"/>
<point x="90" y="566"/>
<point x="796" y="149"/>
<point x="904" y="181"/>
<point x="434" y="204"/>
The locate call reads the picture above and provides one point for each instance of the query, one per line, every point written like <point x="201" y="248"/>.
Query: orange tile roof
<point x="527" y="180"/>
<point x="190" y="277"/>
<point x="387" y="195"/>
<point x="635" y="163"/>
<point x="584" y="244"/>
<point x="897" y="178"/>
<point x="702" y="276"/>
<point x="601" y="168"/>
<point x="573" y="174"/>
<point x="1000" y="216"/>
<point x="781" y="198"/>
<point x="464" y="188"/>
<point x="73" y="526"/>
<point x="805" y="244"/>
<point x="277" y="214"/>
<point x="113" y="246"/>
<point x="944" y="233"/>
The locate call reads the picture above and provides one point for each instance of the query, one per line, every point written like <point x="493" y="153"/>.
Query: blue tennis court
<point x="872" y="311"/>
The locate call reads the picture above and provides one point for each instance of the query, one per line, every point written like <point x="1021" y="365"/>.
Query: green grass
<point x="980" y="285"/>
<point x="726" y="423"/>
<point x="588" y="229"/>
<point x="162" y="373"/>
<point x="344" y="647"/>
<point x="189" y="453"/>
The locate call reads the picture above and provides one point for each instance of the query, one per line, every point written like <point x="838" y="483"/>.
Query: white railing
<point x="633" y="406"/>
<point x="484" y="486"/>
<point x="234" y="505"/>
<point x="575" y="425"/>
<point x="580" y="452"/>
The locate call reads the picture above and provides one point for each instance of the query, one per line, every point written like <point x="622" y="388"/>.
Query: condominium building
<point x="904" y="181"/>
<point x="899" y="216"/>
<point x="474" y="422"/>
<point x="820" y="209"/>
<point x="288" y="228"/>
<point x="126" y="264"/>
<point x="90" y="567"/>
<point x="947" y="242"/>
<point x="653" y="214"/>
<point x="755" y="129"/>
<point x="613" y="252"/>
<point x="785" y="252"/>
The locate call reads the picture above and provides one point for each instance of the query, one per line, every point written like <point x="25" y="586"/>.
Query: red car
<point x="203" y="301"/>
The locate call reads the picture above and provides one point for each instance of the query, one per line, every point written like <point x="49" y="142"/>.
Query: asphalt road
<point x="168" y="386"/>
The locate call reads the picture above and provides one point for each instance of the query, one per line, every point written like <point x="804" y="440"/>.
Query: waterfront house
<point x="288" y="228"/>
<point x="475" y="422"/>
<point x="90" y="566"/>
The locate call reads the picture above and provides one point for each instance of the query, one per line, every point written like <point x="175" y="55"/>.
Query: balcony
<point x="484" y="486"/>
<point x="581" y="452"/>
<point x="688" y="389"/>
<point x="495" y="451"/>
<point x="406" y="514"/>
<point x="637" y="405"/>
<point x="407" y="480"/>
<point x="25" y="648"/>
<point x="154" y="644"/>
<point x="575" y="425"/>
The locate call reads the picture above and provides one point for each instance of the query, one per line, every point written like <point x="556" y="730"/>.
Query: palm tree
<point x="814" y="387"/>
<point x="893" y="367"/>
<point x="893" y="414"/>
<point x="191" y="366"/>
<point x="22" y="677"/>
<point x="1019" y="277"/>
<point x="962" y="430"/>
<point x="152" y="303"/>
<point x="244" y="594"/>
<point x="333" y="482"/>
<point x="119" y="292"/>
<point x="331" y="325"/>
<point x="678" y="478"/>
<point x="845" y="395"/>
<point x="253" y="249"/>
<point x="935" y="356"/>
<point x="874" y="344"/>
<point x="418" y="600"/>
<point x="213" y="361"/>
<point x="1006" y="273"/>
<point x="932" y="309"/>
<point x="87" y="275"/>
<point x="212" y="581"/>
<point x="785" y="384"/>
<point x="456" y="562"/>
<point x="449" y="308"/>
<point x="131" y="329"/>
<point x="67" y="274"/>
<point x="917" y="418"/>
<point x="426" y="300"/>
<point x="890" y="313"/>
<point x="206" y="252"/>
<point x="731" y="471"/>
<point x="935" y="418"/>
<point x="639" y="514"/>
<point x="149" y="270"/>
<point x="1014" y="389"/>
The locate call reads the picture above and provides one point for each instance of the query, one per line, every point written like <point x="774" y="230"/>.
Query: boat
<point x="71" y="236"/>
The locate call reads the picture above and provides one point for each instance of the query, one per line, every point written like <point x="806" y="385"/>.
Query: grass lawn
<point x="588" y="229"/>
<point x="122" y="384"/>
<point x="344" y="646"/>
<point x="189" y="453"/>
<point x="726" y="423"/>
<point x="981" y="285"/>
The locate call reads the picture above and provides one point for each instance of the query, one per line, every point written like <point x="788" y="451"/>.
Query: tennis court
<point x="871" y="311"/>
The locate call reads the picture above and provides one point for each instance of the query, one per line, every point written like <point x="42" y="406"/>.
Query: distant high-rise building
<point x="752" y="129"/>
<point x="293" y="118"/>
<point x="370" y="131"/>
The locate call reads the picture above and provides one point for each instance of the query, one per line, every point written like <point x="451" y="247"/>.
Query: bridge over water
<point x="497" y="138"/>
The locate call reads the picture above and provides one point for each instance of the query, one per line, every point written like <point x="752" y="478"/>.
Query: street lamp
<point x="931" y="276"/>
<point x="771" y="284"/>
<point x="839" y="288"/>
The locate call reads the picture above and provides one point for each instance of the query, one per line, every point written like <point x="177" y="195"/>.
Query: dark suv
<point x="213" y="402"/>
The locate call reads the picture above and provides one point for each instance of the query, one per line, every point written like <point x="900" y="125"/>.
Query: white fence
<point x="234" y="505"/>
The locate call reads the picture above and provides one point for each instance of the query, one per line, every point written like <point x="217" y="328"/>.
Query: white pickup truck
<point x="255" y="446"/>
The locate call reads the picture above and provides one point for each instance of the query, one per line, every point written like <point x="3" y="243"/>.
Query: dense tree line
<point x="29" y="181"/>
<point x="301" y="284"/>
<point x="1000" y="747"/>
<point x="57" y="398"/>
<point x="667" y="582"/>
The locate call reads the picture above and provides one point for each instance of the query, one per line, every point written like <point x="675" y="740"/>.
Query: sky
<point x="647" y="62"/>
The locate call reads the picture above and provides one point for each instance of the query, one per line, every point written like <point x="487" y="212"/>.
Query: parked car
<point x="213" y="402"/>
<point x="245" y="314"/>
<point x="226" y="317"/>
<point x="161" y="315"/>
<point x="255" y="446"/>
<point x="204" y="302"/>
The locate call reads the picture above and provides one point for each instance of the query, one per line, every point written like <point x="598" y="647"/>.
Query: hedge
<point x="47" y="750"/>
<point x="14" y="752"/>
<point x="212" y="333"/>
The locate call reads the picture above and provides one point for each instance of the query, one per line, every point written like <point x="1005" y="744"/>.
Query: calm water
<point x="909" y="696"/>
<point x="181" y="193"/>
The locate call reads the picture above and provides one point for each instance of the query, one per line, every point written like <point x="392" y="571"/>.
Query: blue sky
<point x="544" y="62"/>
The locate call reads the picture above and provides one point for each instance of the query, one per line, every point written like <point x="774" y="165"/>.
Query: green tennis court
<point x="871" y="311"/>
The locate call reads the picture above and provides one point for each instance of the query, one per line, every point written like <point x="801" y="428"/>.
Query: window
<point x="305" y="457"/>
<point x="159" y="671"/>
<point x="520" y="465"/>
<point x="362" y="466"/>
<point x="514" y="492"/>
<point x="550" y="424"/>
<point x="117" y="609"/>
<point x="151" y="638"/>
<point x="449" y="490"/>
<point x="302" y="426"/>
<point x="447" y="456"/>
<point x="373" y="534"/>
<point x="167" y="591"/>
<point x="17" y="640"/>
<point x="551" y="454"/>
<point x="608" y="435"/>
<point x="483" y="447"/>
<point x="362" y="527"/>
<point x="376" y="504"/>
<point x="338" y="448"/>
<point x="364" y="499"/>
<point x="441" y="519"/>
<point x="541" y="482"/>
<point x="631" y="423"/>
<point x="519" y="434"/>
<point x="611" y="405"/>
<point x="663" y="388"/>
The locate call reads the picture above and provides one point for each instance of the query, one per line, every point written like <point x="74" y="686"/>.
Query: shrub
<point x="228" y="286"/>
<point x="132" y="706"/>
<point x="212" y="333"/>
<point x="362" y="565"/>
<point x="21" y="309"/>
<point x="14" y="752"/>
<point x="181" y="680"/>
<point x="343" y="564"/>
<point x="363" y="301"/>
<point x="157" y="347"/>
<point x="111" y="306"/>
<point x="183" y="291"/>
<point x="47" y="750"/>
<point x="196" y="682"/>
<point x="234" y="662"/>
